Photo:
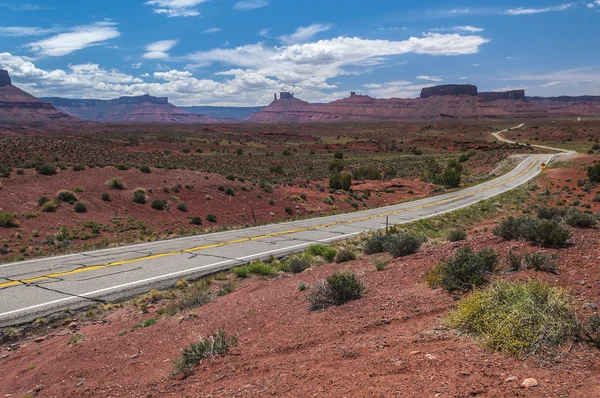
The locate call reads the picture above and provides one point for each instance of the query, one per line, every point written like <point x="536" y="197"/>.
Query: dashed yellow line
<point x="253" y="238"/>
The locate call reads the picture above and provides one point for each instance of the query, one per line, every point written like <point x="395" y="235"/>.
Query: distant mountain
<point x="139" y="109"/>
<point x="17" y="106"/>
<point x="223" y="112"/>
<point x="585" y="105"/>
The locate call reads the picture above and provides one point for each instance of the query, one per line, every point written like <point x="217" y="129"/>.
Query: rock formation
<point x="17" y="106"/>
<point x="586" y="105"/>
<point x="503" y="95"/>
<point x="142" y="109"/>
<point x="449" y="89"/>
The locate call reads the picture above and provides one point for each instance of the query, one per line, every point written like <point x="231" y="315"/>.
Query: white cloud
<point x="594" y="4"/>
<point x="158" y="49"/>
<point x="265" y="32"/>
<point x="78" y="38"/>
<point x="527" y="11"/>
<point x="396" y="89"/>
<point x="19" y="31"/>
<point x="550" y="84"/>
<point x="305" y="33"/>
<point x="468" y="28"/>
<point x="212" y="30"/>
<point x="176" y="8"/>
<point x="430" y="78"/>
<point x="250" y="4"/>
<point x="173" y="75"/>
<point x="137" y="65"/>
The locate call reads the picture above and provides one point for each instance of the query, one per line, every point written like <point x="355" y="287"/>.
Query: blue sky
<point x="232" y="52"/>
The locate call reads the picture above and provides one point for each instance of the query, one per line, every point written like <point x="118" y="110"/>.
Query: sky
<point x="240" y="52"/>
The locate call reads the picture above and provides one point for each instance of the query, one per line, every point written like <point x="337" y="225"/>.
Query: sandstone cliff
<point x="449" y="89"/>
<point x="503" y="95"/>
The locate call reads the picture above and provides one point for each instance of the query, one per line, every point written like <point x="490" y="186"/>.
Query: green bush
<point x="47" y="169"/>
<point x="289" y="211"/>
<point x="8" y="220"/>
<point x="403" y="244"/>
<point x="216" y="345"/>
<point x="182" y="206"/>
<point x="366" y="173"/>
<point x="457" y="235"/>
<point x="578" y="219"/>
<point x="340" y="181"/>
<point x="514" y="261"/>
<point x="159" y="204"/>
<point x="106" y="197"/>
<point x="145" y="169"/>
<point x="540" y="262"/>
<point x="337" y="289"/>
<point x="327" y="252"/>
<point x="195" y="220"/>
<point x="43" y="200"/>
<point x="229" y="191"/>
<point x="549" y="213"/>
<point x="594" y="172"/>
<point x="5" y="171"/>
<point x="66" y="196"/>
<point x="262" y="269"/>
<point x="78" y="167"/>
<point x="548" y="233"/>
<point x="211" y="218"/>
<point x="80" y="208"/>
<point x="139" y="196"/>
<point x="376" y="244"/>
<point x="49" y="207"/>
<point x="297" y="264"/>
<point x="516" y="318"/>
<point x="465" y="271"/>
<point x="240" y="272"/>
<point x="345" y="255"/>
<point x="115" y="183"/>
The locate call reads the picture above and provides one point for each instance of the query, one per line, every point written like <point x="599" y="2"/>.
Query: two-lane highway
<point x="36" y="288"/>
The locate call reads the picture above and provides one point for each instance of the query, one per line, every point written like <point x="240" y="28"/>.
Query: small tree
<point x="340" y="181"/>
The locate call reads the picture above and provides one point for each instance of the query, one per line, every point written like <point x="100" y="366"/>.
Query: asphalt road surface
<point x="36" y="288"/>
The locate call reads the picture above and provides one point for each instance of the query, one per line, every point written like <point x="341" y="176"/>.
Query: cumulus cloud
<point x="176" y="8"/>
<point x="78" y="38"/>
<point x="158" y="49"/>
<point x="303" y="34"/>
<point x="245" y="5"/>
<point x="527" y="11"/>
<point x="19" y="31"/>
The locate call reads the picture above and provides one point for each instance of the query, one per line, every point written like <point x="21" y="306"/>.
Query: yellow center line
<point x="253" y="238"/>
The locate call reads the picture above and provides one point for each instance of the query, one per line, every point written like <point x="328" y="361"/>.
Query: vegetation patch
<point x="327" y="252"/>
<point x="337" y="289"/>
<point x="541" y="232"/>
<point x="216" y="345"/>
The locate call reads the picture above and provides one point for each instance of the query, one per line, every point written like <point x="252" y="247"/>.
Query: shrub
<point x="106" y="197"/>
<point x="366" y="173"/>
<point x="240" y="272"/>
<point x="43" y="200"/>
<point x="139" y="196"/>
<point x="49" y="207"/>
<point x="216" y="345"/>
<point x="195" y="220"/>
<point x="403" y="244"/>
<point x="289" y="211"/>
<point x="514" y="261"/>
<point x="297" y="264"/>
<point x="576" y="218"/>
<point x="145" y="169"/>
<point x="338" y="155"/>
<point x="192" y="295"/>
<point x="548" y="233"/>
<point x="5" y="171"/>
<point x="8" y="220"/>
<point x="211" y="218"/>
<point x="80" y="208"/>
<point x="340" y="181"/>
<point x="260" y="268"/>
<point x="122" y="167"/>
<point x="66" y="196"/>
<point x="229" y="191"/>
<point x="457" y="235"/>
<point x="516" y="318"/>
<point x="549" y="213"/>
<point x="376" y="244"/>
<point x="182" y="206"/>
<point x="337" y="289"/>
<point x="78" y="167"/>
<point x="594" y="173"/>
<point x="540" y="262"/>
<point x="380" y="262"/>
<point x="344" y="256"/>
<point x="159" y="204"/>
<point x="327" y="252"/>
<point x="115" y="183"/>
<point x="464" y="271"/>
<point x="46" y="169"/>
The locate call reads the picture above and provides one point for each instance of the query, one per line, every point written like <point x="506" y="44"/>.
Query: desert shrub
<point x="139" y="196"/>
<point x="514" y="261"/>
<point x="516" y="318"/>
<point x="328" y="201"/>
<point x="159" y="204"/>
<point x="240" y="272"/>
<point x="145" y="169"/>
<point x="216" y="345"/>
<point x="43" y="200"/>
<point x="115" y="183"/>
<point x="403" y="244"/>
<point x="549" y="213"/>
<point x="106" y="197"/>
<point x="66" y="196"/>
<point x="345" y="255"/>
<point x="229" y="191"/>
<point x="380" y="262"/>
<point x="8" y="220"/>
<point x="78" y="189"/>
<point x="78" y="167"/>
<point x="337" y="289"/>
<point x="340" y="181"/>
<point x="327" y="252"/>
<point x="211" y="218"/>
<point x="195" y="220"/>
<point x="289" y="211"/>
<point x="80" y="208"/>
<point x="376" y="244"/>
<point x="540" y="262"/>
<point x="366" y="173"/>
<point x="182" y="206"/>
<point x="594" y="172"/>
<point x="297" y="264"/>
<point x="262" y="269"/>
<point x="49" y="207"/>
<point x="576" y="218"/>
<point x="592" y="330"/>
<point x="457" y="235"/>
<point x="466" y="270"/>
<point x="122" y="167"/>
<point x="47" y="169"/>
<point x="5" y="171"/>
<point x="194" y="295"/>
<point x="338" y="155"/>
<point x="548" y="233"/>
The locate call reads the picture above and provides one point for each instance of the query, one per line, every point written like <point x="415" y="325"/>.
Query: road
<point x="499" y="137"/>
<point x="36" y="288"/>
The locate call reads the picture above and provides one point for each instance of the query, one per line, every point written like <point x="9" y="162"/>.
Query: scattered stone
<point x="590" y="307"/>
<point x="510" y="379"/>
<point x="431" y="357"/>
<point x="39" y="339"/>
<point x="73" y="325"/>
<point x="79" y="384"/>
<point x="464" y="373"/>
<point x="415" y="352"/>
<point x="4" y="356"/>
<point x="529" y="383"/>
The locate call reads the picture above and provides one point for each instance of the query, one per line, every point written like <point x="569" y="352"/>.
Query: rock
<point x="272" y="214"/>
<point x="449" y="89"/>
<point x="431" y="357"/>
<point x="503" y="95"/>
<point x="4" y="78"/>
<point x="590" y="307"/>
<point x="79" y="384"/>
<point x="529" y="383"/>
<point x="38" y="388"/>
<point x="73" y="325"/>
<point x="39" y="339"/>
<point x="4" y="356"/>
<point x="510" y="379"/>
<point x="415" y="352"/>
